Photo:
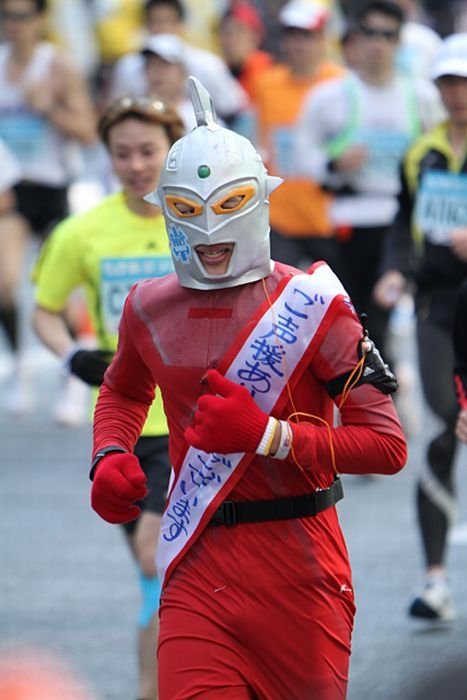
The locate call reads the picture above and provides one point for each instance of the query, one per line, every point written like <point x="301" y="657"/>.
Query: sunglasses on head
<point x="144" y="103"/>
<point x="155" y="110"/>
<point x="372" y="32"/>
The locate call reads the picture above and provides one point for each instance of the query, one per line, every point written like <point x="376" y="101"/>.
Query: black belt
<point x="233" y="512"/>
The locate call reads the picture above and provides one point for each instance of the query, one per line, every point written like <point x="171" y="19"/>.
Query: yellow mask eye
<point x="234" y="200"/>
<point x="182" y="207"/>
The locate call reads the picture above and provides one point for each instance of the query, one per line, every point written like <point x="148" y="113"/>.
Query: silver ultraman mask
<point x="205" y="173"/>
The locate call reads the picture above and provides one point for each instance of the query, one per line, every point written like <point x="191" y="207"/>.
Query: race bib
<point x="283" y="145"/>
<point x="118" y="275"/>
<point x="385" y="151"/>
<point x="441" y="205"/>
<point x="24" y="133"/>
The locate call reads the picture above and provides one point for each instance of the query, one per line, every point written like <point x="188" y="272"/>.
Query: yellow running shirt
<point x="105" y="250"/>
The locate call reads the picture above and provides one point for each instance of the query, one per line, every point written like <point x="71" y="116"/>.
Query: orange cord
<point x="349" y="384"/>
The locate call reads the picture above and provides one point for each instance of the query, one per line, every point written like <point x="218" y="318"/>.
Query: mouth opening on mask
<point x="215" y="259"/>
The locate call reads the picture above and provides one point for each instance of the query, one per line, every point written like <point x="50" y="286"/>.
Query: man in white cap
<point x="165" y="68"/>
<point x="247" y="354"/>
<point x="428" y="245"/>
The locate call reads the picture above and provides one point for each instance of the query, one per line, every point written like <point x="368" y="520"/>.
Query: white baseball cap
<point x="303" y="14"/>
<point x="451" y="58"/>
<point x="168" y="46"/>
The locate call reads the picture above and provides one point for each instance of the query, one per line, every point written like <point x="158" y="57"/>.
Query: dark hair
<point x="40" y="6"/>
<point x="144" y="109"/>
<point x="382" y="7"/>
<point x="175" y="4"/>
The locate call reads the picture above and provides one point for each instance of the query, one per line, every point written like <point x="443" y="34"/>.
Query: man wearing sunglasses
<point x="352" y="136"/>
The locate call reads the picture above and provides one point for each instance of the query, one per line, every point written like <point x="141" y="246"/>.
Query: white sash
<point x="281" y="337"/>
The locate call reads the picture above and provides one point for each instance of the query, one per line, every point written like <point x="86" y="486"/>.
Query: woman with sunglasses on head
<point x="106" y="250"/>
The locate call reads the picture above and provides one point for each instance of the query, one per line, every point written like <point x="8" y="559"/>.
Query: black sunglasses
<point x="372" y="32"/>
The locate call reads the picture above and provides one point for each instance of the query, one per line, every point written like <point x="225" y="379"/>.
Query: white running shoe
<point x="434" y="602"/>
<point x="72" y="407"/>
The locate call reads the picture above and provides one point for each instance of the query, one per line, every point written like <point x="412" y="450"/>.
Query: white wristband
<point x="285" y="443"/>
<point x="264" y="446"/>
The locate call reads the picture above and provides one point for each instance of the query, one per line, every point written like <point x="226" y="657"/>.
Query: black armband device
<point x="100" y="454"/>
<point x="375" y="371"/>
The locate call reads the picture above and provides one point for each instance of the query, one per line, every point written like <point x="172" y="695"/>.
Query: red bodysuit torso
<point x="256" y="610"/>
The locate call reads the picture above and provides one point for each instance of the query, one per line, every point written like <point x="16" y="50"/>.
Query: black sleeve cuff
<point x="101" y="453"/>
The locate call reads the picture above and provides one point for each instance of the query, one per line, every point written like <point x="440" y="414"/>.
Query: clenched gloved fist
<point x="118" y="482"/>
<point x="89" y="365"/>
<point x="228" y="420"/>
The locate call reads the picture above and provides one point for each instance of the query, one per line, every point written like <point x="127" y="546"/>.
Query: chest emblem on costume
<point x="181" y="249"/>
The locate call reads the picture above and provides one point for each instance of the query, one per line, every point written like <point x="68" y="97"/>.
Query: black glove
<point x="89" y="365"/>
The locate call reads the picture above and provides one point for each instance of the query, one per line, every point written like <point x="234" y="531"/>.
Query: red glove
<point x="118" y="482"/>
<point x="228" y="422"/>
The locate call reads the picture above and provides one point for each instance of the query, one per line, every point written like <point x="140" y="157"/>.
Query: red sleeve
<point x="369" y="439"/>
<point x="127" y="392"/>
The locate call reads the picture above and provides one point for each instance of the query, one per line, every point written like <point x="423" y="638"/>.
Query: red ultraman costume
<point x="259" y="610"/>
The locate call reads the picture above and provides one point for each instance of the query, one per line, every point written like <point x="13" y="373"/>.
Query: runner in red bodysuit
<point x="250" y="357"/>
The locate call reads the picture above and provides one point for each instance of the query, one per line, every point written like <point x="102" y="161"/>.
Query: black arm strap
<point x="375" y="371"/>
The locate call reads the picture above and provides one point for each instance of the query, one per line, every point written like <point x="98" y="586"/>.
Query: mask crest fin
<point x="202" y="103"/>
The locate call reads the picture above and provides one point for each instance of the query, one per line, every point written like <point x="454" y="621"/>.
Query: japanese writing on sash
<point x="264" y="363"/>
<point x="118" y="275"/>
<point x="441" y="205"/>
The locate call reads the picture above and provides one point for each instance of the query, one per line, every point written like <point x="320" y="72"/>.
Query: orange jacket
<point x="298" y="207"/>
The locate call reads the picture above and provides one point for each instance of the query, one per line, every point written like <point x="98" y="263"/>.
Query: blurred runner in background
<point x="428" y="246"/>
<point x="45" y="107"/>
<point x="168" y="17"/>
<point x="301" y="231"/>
